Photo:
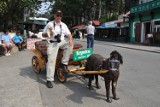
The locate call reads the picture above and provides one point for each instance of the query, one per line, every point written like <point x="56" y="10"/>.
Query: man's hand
<point x="21" y="42"/>
<point x="70" y="40"/>
<point x="45" y="35"/>
<point x="71" y="43"/>
<point x="4" y="42"/>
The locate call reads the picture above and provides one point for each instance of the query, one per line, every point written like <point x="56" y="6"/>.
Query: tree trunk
<point x="100" y="7"/>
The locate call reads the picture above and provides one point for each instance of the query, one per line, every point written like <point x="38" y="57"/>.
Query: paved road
<point x="138" y="85"/>
<point x="18" y="83"/>
<point x="134" y="87"/>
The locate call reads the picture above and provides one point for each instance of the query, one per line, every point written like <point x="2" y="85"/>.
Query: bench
<point x="2" y="51"/>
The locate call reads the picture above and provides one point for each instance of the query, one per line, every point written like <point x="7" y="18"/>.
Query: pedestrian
<point x="60" y="37"/>
<point x="77" y="34"/>
<point x="18" y="40"/>
<point x="90" y="35"/>
<point x="7" y="42"/>
<point x="80" y="35"/>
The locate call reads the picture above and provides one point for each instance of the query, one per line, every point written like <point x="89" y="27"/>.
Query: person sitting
<point x="17" y="39"/>
<point x="6" y="42"/>
<point x="56" y="31"/>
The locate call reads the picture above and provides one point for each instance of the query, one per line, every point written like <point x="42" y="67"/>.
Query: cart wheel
<point x="35" y="65"/>
<point x="62" y="76"/>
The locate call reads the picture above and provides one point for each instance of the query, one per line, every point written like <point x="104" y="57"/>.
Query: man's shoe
<point x="49" y="84"/>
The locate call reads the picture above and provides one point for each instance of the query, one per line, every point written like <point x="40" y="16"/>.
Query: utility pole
<point x="25" y="15"/>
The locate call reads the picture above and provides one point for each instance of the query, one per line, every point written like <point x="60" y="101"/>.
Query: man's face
<point x="7" y="33"/>
<point x="18" y="33"/>
<point x="58" y="17"/>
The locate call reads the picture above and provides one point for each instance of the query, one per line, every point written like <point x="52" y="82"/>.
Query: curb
<point x="135" y="48"/>
<point x="127" y="47"/>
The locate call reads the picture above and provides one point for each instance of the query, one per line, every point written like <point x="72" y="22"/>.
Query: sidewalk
<point x="155" y="49"/>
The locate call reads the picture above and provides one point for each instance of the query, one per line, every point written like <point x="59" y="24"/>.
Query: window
<point x="157" y="26"/>
<point x="144" y="1"/>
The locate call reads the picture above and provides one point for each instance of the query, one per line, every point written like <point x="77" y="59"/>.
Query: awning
<point x="111" y="24"/>
<point x="100" y="27"/>
<point x="96" y="22"/>
<point x="108" y="25"/>
<point x="78" y="27"/>
<point x="119" y="21"/>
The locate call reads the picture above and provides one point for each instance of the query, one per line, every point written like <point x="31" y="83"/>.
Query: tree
<point x="11" y="11"/>
<point x="74" y="11"/>
<point x="92" y="9"/>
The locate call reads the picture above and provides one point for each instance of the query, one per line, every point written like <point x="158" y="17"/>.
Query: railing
<point x="146" y="6"/>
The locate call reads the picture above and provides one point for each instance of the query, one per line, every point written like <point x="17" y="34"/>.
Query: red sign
<point x="31" y="42"/>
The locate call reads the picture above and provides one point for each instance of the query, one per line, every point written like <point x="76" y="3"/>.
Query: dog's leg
<point x="97" y="82"/>
<point x="107" y="85"/>
<point x="91" y="77"/>
<point x="114" y="85"/>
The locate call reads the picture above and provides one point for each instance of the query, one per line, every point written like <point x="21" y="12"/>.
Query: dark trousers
<point x="20" y="45"/>
<point x="90" y="41"/>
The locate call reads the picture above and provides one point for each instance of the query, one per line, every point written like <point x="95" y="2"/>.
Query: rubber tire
<point x="61" y="75"/>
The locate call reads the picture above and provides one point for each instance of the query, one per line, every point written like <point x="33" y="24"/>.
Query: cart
<point x="76" y="63"/>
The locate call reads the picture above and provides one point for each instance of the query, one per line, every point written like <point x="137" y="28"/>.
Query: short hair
<point x="18" y="31"/>
<point x="59" y="12"/>
<point x="90" y="22"/>
<point x="5" y="30"/>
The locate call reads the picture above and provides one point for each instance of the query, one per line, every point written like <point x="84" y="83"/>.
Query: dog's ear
<point x="120" y="58"/>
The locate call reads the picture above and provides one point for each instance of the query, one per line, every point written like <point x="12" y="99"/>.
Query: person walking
<point x="59" y="37"/>
<point x="90" y="35"/>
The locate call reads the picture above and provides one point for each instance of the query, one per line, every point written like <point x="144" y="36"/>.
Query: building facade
<point x="145" y="20"/>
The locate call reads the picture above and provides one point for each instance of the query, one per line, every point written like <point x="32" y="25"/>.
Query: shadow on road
<point x="28" y="72"/>
<point x="78" y="85"/>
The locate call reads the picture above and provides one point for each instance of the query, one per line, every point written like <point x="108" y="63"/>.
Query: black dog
<point x="97" y="62"/>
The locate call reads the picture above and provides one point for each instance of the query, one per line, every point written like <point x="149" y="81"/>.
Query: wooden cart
<point x="78" y="58"/>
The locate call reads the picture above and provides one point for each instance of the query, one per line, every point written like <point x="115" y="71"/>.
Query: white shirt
<point x="90" y="29"/>
<point x="56" y="28"/>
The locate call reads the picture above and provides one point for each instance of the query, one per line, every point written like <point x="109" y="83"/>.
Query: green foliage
<point x="103" y="10"/>
<point x="11" y="11"/>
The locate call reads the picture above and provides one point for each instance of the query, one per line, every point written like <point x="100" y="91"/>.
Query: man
<point x="6" y="42"/>
<point x="90" y="35"/>
<point x="17" y="39"/>
<point x="52" y="30"/>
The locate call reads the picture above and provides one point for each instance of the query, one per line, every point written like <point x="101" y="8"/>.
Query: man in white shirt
<point x="57" y="31"/>
<point x="90" y="35"/>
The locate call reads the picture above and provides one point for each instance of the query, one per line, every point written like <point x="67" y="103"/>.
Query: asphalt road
<point x="138" y="84"/>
